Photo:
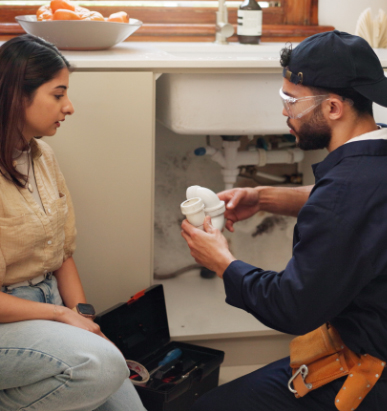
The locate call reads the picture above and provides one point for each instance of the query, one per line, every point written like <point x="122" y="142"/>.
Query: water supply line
<point x="229" y="158"/>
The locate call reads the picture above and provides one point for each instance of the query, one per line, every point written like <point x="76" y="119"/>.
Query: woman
<point x="51" y="357"/>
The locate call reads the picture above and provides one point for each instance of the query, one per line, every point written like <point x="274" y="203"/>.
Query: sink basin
<point x="219" y="103"/>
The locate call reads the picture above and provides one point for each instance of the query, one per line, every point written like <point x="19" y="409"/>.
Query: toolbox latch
<point x="197" y="373"/>
<point x="136" y="296"/>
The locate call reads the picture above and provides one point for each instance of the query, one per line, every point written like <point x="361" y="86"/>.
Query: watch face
<point x="86" y="309"/>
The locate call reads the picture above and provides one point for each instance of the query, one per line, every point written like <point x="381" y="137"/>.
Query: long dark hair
<point x="26" y="62"/>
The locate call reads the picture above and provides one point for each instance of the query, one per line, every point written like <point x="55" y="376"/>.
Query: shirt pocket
<point x="19" y="236"/>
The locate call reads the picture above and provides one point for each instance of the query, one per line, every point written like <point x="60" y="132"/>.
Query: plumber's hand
<point x="241" y="203"/>
<point x="209" y="248"/>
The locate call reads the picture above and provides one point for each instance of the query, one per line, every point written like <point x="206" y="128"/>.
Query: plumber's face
<point x="312" y="131"/>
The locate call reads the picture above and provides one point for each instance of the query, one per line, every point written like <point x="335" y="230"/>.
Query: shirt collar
<point x="381" y="133"/>
<point x="35" y="150"/>
<point x="370" y="144"/>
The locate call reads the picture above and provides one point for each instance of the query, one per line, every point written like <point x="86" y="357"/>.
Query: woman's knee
<point x="102" y="366"/>
<point x="91" y="361"/>
<point x="74" y="364"/>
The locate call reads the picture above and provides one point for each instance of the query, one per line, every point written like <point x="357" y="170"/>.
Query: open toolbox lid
<point x="138" y="327"/>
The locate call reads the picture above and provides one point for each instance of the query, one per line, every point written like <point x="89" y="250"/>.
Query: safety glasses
<point x="298" y="107"/>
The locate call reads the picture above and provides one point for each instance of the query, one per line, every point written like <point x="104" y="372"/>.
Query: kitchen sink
<point x="221" y="102"/>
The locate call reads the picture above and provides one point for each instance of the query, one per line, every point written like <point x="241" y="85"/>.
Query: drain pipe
<point x="200" y="203"/>
<point x="229" y="158"/>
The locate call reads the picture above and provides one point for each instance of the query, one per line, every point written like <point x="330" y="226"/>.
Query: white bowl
<point x="79" y="35"/>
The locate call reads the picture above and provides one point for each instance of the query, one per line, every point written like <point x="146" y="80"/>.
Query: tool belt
<point x="320" y="357"/>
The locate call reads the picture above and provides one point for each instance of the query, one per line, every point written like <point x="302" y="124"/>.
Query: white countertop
<point x="158" y="56"/>
<point x="163" y="56"/>
<point x="144" y="55"/>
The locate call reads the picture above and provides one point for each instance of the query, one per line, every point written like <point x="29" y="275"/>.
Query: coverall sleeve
<point x="327" y="270"/>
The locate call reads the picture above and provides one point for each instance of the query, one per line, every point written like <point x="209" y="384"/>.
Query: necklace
<point x="30" y="170"/>
<point x="26" y="167"/>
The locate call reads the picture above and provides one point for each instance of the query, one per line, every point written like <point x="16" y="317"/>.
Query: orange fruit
<point x="61" y="4"/>
<point x="63" y="14"/>
<point x="47" y="15"/>
<point x="43" y="9"/>
<point x="93" y="16"/>
<point x="66" y="10"/>
<point x="82" y="11"/>
<point x="44" y="13"/>
<point x="119" y="17"/>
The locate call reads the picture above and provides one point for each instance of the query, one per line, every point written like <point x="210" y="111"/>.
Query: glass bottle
<point x="249" y="29"/>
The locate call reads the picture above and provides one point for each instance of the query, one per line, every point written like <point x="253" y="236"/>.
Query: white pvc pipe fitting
<point x="193" y="209"/>
<point x="217" y="215"/>
<point x="212" y="206"/>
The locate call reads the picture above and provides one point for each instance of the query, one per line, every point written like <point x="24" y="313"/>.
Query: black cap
<point x="336" y="59"/>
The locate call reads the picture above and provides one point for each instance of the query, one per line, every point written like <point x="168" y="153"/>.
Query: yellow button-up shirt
<point x="35" y="241"/>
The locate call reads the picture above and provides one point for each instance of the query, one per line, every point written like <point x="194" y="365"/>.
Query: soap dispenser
<point x="249" y="29"/>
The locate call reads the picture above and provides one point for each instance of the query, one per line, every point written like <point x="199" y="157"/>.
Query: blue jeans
<point x="51" y="366"/>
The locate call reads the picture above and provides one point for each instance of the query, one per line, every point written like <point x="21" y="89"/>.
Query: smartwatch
<point x="86" y="310"/>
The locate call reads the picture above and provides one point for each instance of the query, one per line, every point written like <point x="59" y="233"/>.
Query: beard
<point x="314" y="134"/>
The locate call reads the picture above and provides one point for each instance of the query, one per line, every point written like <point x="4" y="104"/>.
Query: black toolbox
<point x="140" y="330"/>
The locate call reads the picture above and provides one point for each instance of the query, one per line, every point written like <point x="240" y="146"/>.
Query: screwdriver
<point x="171" y="356"/>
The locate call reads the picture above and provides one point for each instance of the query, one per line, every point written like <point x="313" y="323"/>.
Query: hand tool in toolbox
<point x="171" y="357"/>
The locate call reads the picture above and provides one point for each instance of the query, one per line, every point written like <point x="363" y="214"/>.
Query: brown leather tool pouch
<point x="321" y="352"/>
<point x="320" y="357"/>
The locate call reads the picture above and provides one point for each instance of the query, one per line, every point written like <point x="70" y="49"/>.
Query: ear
<point x="335" y="108"/>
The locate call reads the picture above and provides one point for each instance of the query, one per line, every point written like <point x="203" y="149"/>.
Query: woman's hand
<point x="241" y="203"/>
<point x="209" y="248"/>
<point x="71" y="291"/>
<point x="68" y="316"/>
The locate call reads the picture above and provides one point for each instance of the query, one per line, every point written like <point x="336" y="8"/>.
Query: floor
<point x="197" y="310"/>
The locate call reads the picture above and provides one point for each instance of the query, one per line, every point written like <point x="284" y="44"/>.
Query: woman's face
<point x="49" y="106"/>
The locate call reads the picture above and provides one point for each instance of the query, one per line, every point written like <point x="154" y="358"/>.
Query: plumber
<point x="332" y="294"/>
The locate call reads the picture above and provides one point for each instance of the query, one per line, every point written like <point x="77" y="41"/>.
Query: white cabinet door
<point x="106" y="152"/>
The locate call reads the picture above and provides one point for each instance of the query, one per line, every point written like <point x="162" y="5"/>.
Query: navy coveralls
<point x="338" y="273"/>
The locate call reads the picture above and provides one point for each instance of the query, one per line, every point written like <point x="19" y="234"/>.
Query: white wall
<point x="343" y="14"/>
